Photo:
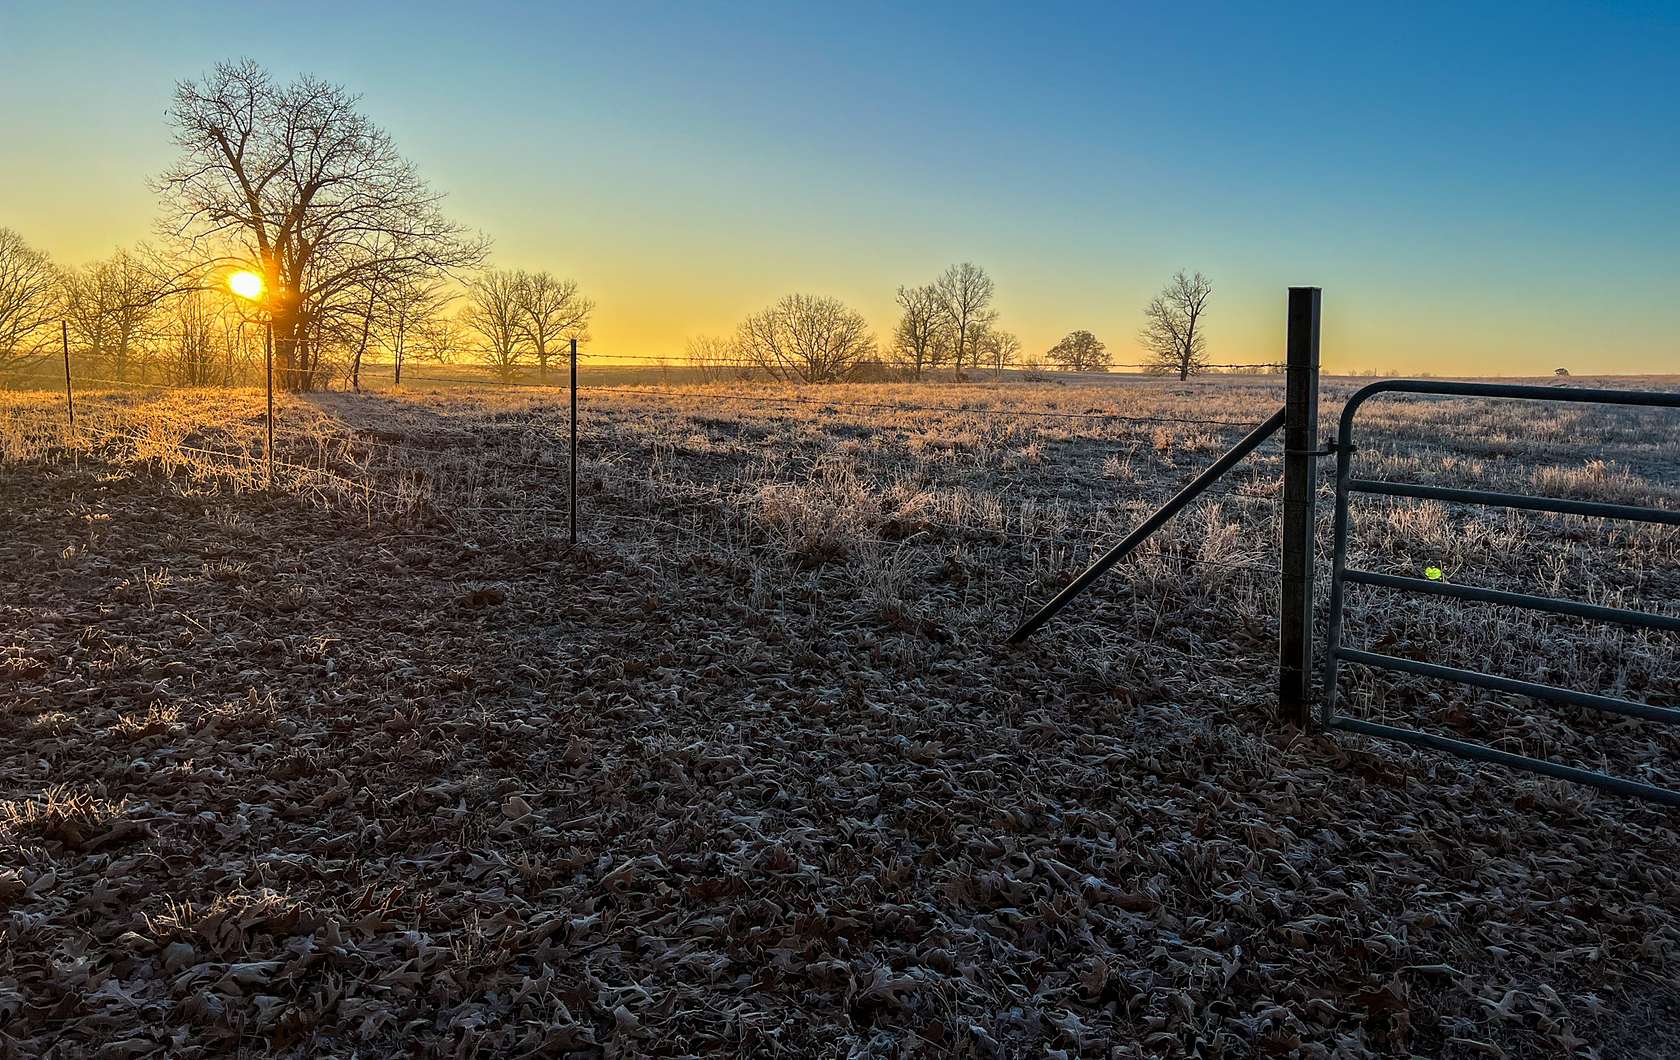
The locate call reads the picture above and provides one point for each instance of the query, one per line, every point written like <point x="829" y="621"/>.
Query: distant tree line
<point x="359" y="264"/>
<point x="948" y="324"/>
<point x="128" y="316"/>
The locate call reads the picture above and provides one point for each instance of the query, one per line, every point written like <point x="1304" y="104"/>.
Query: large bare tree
<point x="1079" y="351"/>
<point x="1173" y="330"/>
<point x="552" y="312"/>
<point x="494" y="318"/>
<point x="29" y="297"/>
<point x="966" y="292"/>
<point x="807" y="338"/>
<point x="292" y="179"/>
<point x="922" y="337"/>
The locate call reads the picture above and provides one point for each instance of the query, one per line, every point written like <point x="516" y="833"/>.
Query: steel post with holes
<point x="1300" y="482"/>
<point x="571" y="493"/>
<point x="69" y="397"/>
<point x="268" y="372"/>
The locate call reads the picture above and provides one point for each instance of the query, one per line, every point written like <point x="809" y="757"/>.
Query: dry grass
<point x="58" y="815"/>
<point x="376" y="764"/>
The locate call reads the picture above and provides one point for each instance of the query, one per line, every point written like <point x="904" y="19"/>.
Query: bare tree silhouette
<point x="922" y="338"/>
<point x="294" y="180"/>
<point x="998" y="349"/>
<point x="29" y="296"/>
<point x="413" y="308"/>
<point x="436" y="337"/>
<point x="966" y="294"/>
<point x="808" y="338"/>
<point x="716" y="358"/>
<point x="1173" y="332"/>
<point x="112" y="307"/>
<point x="552" y="312"/>
<point x="1079" y="351"/>
<point x="192" y="349"/>
<point x="493" y="315"/>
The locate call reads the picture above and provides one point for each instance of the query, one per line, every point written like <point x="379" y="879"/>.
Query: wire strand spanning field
<point x="374" y="763"/>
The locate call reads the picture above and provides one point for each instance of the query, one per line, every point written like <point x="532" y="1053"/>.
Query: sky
<point x="1479" y="189"/>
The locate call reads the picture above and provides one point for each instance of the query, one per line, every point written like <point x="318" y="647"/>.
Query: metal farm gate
<point x="1297" y="420"/>
<point x="1342" y="575"/>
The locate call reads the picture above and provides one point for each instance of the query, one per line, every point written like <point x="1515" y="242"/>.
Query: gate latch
<point x="1330" y="449"/>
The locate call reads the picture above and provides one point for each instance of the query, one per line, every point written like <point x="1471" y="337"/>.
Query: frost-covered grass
<point x="377" y="764"/>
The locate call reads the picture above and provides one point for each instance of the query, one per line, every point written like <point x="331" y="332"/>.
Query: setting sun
<point x="246" y="284"/>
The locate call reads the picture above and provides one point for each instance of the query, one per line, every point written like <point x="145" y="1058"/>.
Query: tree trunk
<point x="289" y="351"/>
<point x="402" y="327"/>
<point x="361" y="346"/>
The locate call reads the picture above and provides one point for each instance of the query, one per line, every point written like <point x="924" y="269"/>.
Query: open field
<point x="376" y="764"/>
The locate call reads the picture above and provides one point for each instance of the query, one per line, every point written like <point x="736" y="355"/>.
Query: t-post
<point x="268" y="370"/>
<point x="69" y="398"/>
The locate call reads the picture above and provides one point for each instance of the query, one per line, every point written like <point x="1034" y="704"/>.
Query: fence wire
<point x="706" y="500"/>
<point x="257" y="460"/>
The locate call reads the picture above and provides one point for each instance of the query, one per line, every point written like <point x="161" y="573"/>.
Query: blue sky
<point x="1483" y="190"/>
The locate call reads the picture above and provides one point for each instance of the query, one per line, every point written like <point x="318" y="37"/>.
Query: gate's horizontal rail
<point x="1602" y="781"/>
<point x="1574" y="395"/>
<point x="1550" y="604"/>
<point x="1560" y="505"/>
<point x="1512" y="685"/>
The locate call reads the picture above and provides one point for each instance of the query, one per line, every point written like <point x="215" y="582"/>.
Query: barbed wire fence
<point x="400" y="480"/>
<point x="506" y="469"/>
<point x="408" y="477"/>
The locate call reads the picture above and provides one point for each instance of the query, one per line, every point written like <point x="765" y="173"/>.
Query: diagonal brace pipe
<point x="1232" y="457"/>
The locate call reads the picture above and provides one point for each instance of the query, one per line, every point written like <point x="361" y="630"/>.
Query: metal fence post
<point x="571" y="493"/>
<point x="1300" y="445"/>
<point x="268" y="365"/>
<point x="69" y="397"/>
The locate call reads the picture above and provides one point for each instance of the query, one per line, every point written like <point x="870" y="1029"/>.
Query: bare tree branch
<point x="30" y="292"/>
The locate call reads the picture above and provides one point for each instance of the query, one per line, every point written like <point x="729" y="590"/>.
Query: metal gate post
<point x="1300" y="456"/>
<point x="1338" y="565"/>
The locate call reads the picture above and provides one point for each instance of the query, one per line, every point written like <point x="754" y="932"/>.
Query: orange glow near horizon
<point x="706" y="164"/>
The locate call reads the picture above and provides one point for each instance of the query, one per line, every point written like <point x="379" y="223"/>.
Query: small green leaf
<point x="1434" y="574"/>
